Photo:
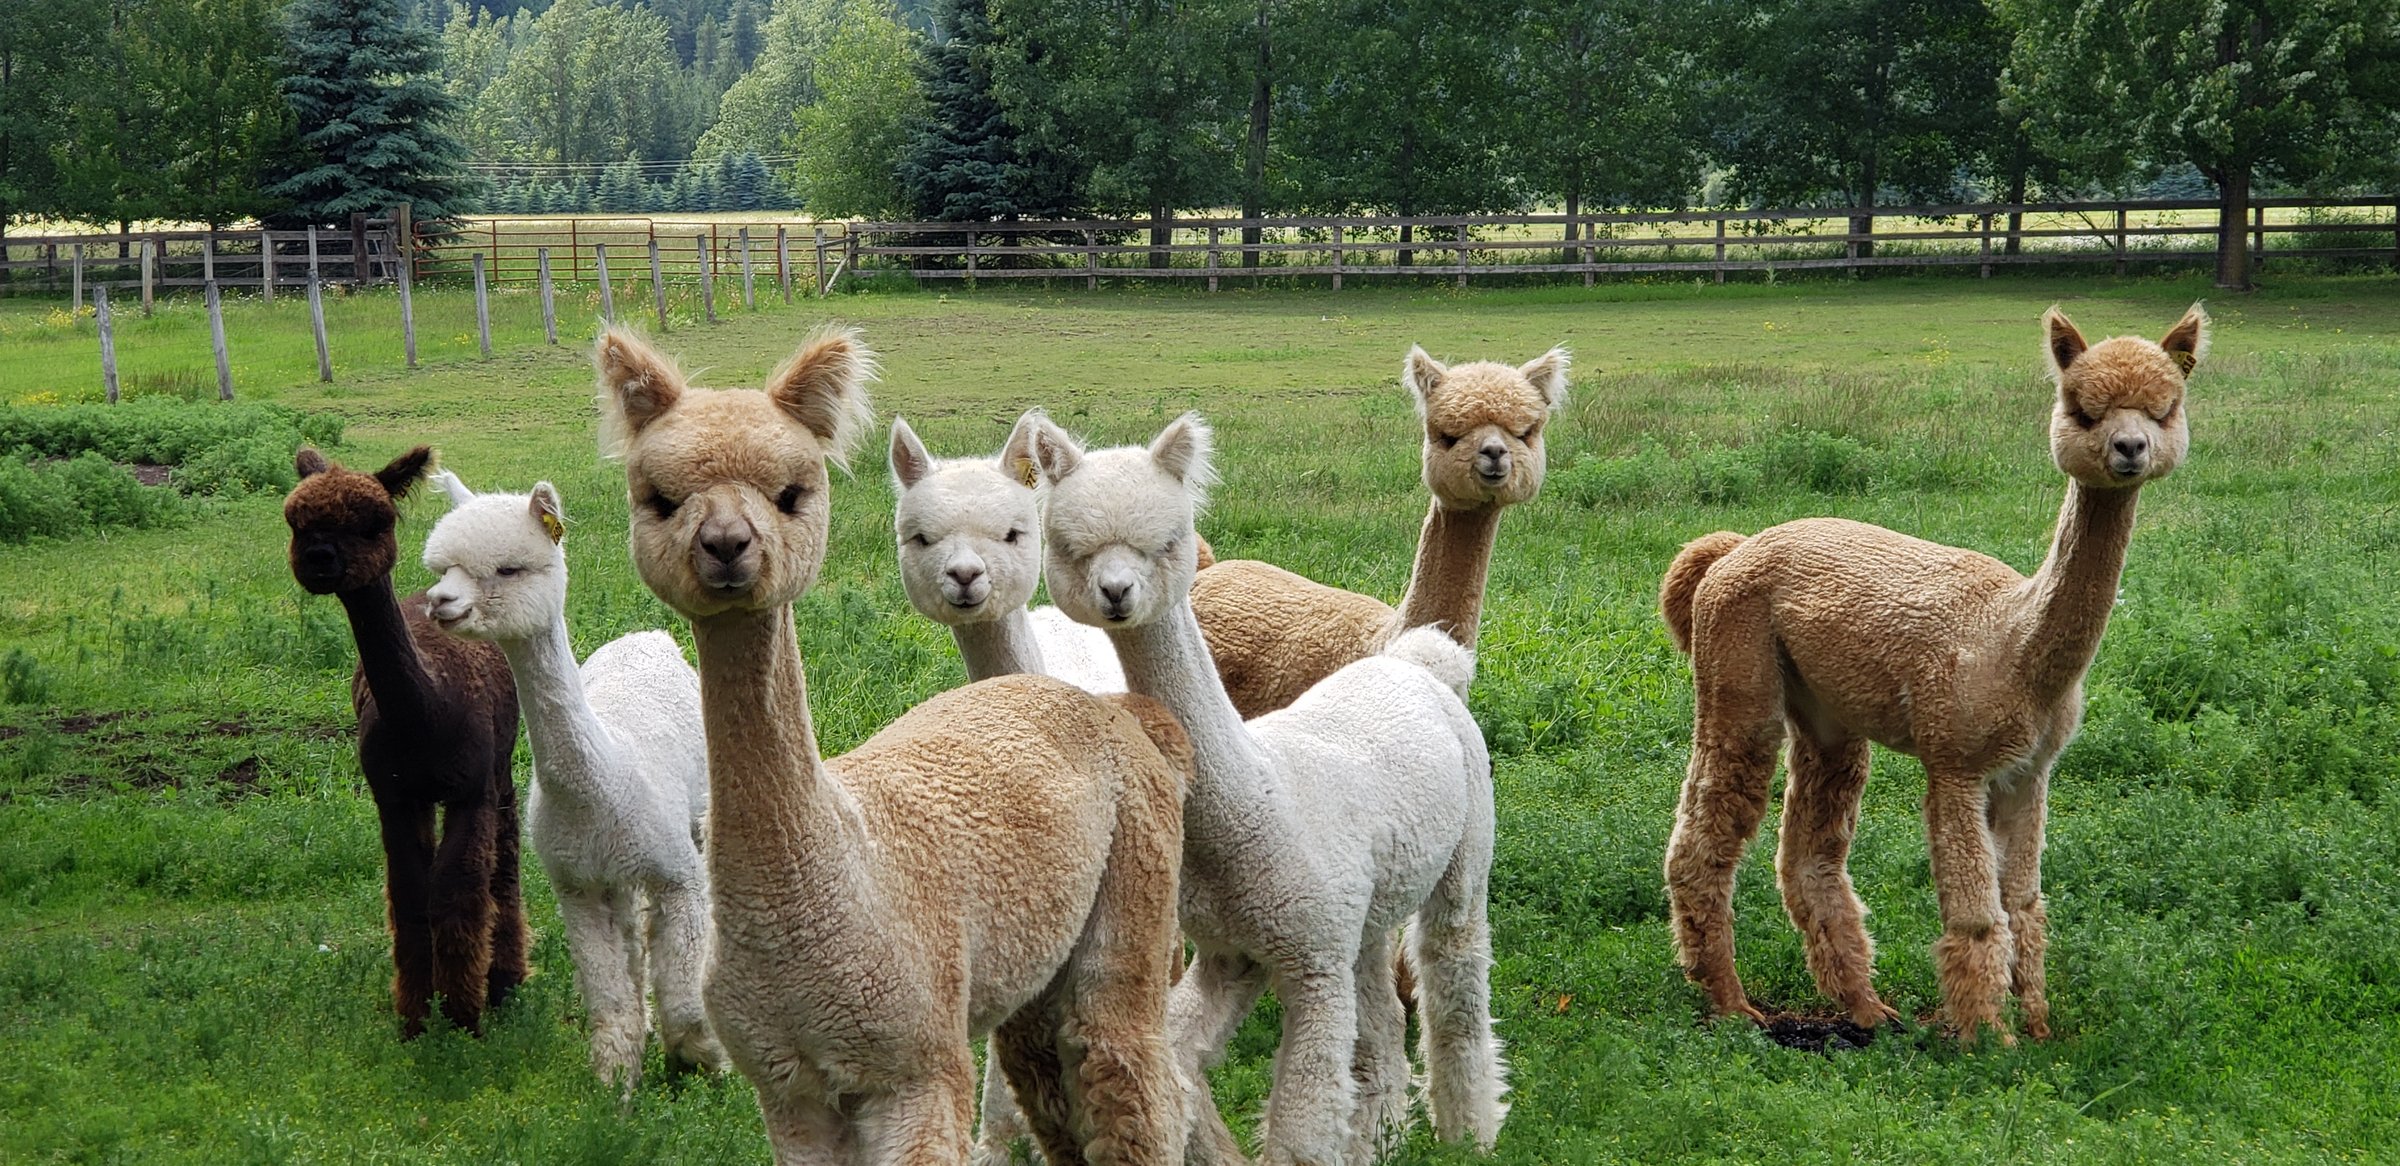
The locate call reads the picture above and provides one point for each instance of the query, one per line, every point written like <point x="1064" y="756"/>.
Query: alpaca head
<point x="2119" y="418"/>
<point x="342" y="521"/>
<point x="1483" y="425"/>
<point x="500" y="570"/>
<point x="970" y="532"/>
<point x="727" y="486"/>
<point x="1121" y="548"/>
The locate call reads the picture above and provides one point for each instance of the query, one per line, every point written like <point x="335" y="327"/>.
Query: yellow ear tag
<point x="1025" y="471"/>
<point x="557" y="529"/>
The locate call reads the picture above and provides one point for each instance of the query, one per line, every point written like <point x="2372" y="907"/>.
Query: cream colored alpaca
<point x="1004" y="856"/>
<point x="1274" y="633"/>
<point x="1835" y="633"/>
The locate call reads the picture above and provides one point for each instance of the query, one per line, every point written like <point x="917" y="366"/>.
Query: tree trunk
<point x="1162" y="233"/>
<point x="2016" y="220"/>
<point x="1864" y="224"/>
<point x="1254" y="161"/>
<point x="2233" y="228"/>
<point x="1574" y="208"/>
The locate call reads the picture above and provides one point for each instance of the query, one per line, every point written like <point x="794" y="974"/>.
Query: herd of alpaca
<point x="1225" y="757"/>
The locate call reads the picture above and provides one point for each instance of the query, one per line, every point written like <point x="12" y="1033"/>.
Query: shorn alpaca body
<point x="970" y="533"/>
<point x="1835" y="634"/>
<point x="437" y="733"/>
<point x="1312" y="833"/>
<point x="619" y="801"/>
<point x="1002" y="858"/>
<point x="1275" y="633"/>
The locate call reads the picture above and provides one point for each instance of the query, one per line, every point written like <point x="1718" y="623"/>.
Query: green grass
<point x="190" y="905"/>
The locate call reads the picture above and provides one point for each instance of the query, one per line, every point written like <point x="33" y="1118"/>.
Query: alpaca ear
<point x="1055" y="455"/>
<point x="549" y="511"/>
<point x="824" y="387"/>
<point x="1016" y="454"/>
<point x="2061" y="343"/>
<point x="1423" y="375"/>
<point x="637" y="386"/>
<point x="404" y="471"/>
<point x="2187" y="341"/>
<point x="1182" y="450"/>
<point x="453" y="489"/>
<point x="910" y="462"/>
<point x="309" y="462"/>
<point x="1548" y="372"/>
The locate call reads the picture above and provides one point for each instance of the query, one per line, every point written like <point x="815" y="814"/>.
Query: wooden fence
<point x="267" y="261"/>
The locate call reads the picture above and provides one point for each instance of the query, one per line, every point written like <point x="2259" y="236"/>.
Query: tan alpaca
<point x="1836" y="633"/>
<point x="1003" y="858"/>
<point x="1276" y="634"/>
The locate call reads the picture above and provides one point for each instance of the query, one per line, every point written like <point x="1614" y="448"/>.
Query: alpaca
<point x="1835" y="633"/>
<point x="619" y="798"/>
<point x="970" y="554"/>
<point x="1312" y="833"/>
<point x="1274" y="633"/>
<point x="1002" y="857"/>
<point x="437" y="730"/>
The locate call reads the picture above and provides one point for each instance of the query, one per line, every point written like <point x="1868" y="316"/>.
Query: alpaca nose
<point x="965" y="576"/>
<point x="1491" y="461"/>
<point x="1115" y="596"/>
<point x="2131" y="446"/>
<point x="726" y="541"/>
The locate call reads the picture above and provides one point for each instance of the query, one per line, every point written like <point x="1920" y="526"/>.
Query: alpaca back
<point x="645" y="809"/>
<point x="648" y="696"/>
<point x="1077" y="653"/>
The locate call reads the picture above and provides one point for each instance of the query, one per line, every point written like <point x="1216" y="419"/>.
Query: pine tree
<point x="364" y="83"/>
<point x="967" y="162"/>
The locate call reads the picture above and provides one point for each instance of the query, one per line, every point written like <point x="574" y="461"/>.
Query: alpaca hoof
<point x="1875" y="1014"/>
<point x="2038" y="1029"/>
<point x="1746" y="1011"/>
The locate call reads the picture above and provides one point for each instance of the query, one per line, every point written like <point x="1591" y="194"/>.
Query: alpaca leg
<point x="1026" y="1059"/>
<point x="2016" y="815"/>
<point x="1465" y="1076"/>
<point x="924" y="1121"/>
<point x="1118" y="982"/>
<point x="1000" y="1125"/>
<point x="678" y="950"/>
<point x="1971" y="958"/>
<point x="803" y="1130"/>
<point x="509" y="935"/>
<point x="1203" y="1012"/>
<point x="596" y="936"/>
<point x="408" y="846"/>
<point x="1379" y="1064"/>
<point x="462" y="910"/>
<point x="1736" y="730"/>
<point x="1812" y="864"/>
<point x="1309" y="1107"/>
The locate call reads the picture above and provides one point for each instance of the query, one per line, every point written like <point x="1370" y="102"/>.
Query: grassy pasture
<point x="190" y="903"/>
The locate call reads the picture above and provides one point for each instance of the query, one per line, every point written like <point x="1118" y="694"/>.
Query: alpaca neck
<point x="1454" y="557"/>
<point x="781" y="832"/>
<point x="1168" y="661"/>
<point x="2068" y="600"/>
<point x="571" y="748"/>
<point x="387" y="655"/>
<point x="1000" y="647"/>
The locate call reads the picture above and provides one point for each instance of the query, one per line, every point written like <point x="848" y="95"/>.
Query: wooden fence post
<point x="608" y="295"/>
<point x="969" y="233"/>
<point x="541" y="263"/>
<point x="208" y="258"/>
<point x="2396" y="234"/>
<point x="708" y="291"/>
<point x="749" y="297"/>
<point x="1984" y="248"/>
<point x="1462" y="255"/>
<point x="1212" y="257"/>
<point x="75" y="306"/>
<point x="850" y="251"/>
<point x="404" y="236"/>
<point x="658" y="286"/>
<point x="216" y="338"/>
<point x="818" y="273"/>
<point x="1720" y="249"/>
<point x="2120" y="240"/>
<point x="312" y="252"/>
<point x="1337" y="257"/>
<point x="358" y="250"/>
<point x="408" y="315"/>
<point x="266" y="267"/>
<point x="783" y="262"/>
<point x="316" y="325"/>
<point x="2258" y="235"/>
<point x="1091" y="263"/>
<point x="108" y="341"/>
<point x="149" y="257"/>
<point x="483" y="311"/>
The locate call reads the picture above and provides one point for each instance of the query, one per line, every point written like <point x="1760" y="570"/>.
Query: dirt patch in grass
<point x="1817" y="1034"/>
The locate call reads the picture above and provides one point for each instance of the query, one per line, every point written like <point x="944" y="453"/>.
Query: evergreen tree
<point x="621" y="186"/>
<point x="966" y="162"/>
<point x="557" y="199"/>
<point x="363" y="81"/>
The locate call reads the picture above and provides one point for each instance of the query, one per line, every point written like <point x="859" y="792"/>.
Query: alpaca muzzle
<point x="725" y="553"/>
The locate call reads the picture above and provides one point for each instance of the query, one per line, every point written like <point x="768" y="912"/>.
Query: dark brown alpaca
<point x="437" y="727"/>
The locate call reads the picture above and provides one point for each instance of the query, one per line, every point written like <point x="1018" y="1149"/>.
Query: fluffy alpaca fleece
<point x="1836" y="633"/>
<point x="970" y="532"/>
<point x="1312" y="833"/>
<point x="437" y="731"/>
<point x="620" y="772"/>
<point x="1002" y="858"/>
<point x="1274" y="633"/>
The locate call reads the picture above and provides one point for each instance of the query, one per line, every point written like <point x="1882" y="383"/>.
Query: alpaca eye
<point x="511" y="572"/>
<point x="1528" y="434"/>
<point x="789" y="500"/>
<point x="2081" y="419"/>
<point x="1014" y="535"/>
<point x="919" y="540"/>
<point x="1448" y="441"/>
<point x="664" y="506"/>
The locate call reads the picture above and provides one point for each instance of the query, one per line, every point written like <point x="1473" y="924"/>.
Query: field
<point x="195" y="965"/>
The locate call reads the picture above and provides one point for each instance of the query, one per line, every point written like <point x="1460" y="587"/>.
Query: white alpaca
<point x="619" y="800"/>
<point x="970" y="536"/>
<point x="1311" y="833"/>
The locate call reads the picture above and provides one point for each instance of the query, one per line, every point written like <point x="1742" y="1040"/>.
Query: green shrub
<point x="83" y="493"/>
<point x="1793" y="459"/>
<point x="262" y="462"/>
<point x="165" y="431"/>
<point x="32" y="507"/>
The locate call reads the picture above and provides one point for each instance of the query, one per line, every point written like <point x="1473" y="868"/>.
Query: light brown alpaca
<point x="1276" y="634"/>
<point x="1004" y="856"/>
<point x="1837" y="633"/>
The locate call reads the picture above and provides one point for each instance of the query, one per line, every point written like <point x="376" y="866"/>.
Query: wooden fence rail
<point x="259" y="260"/>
